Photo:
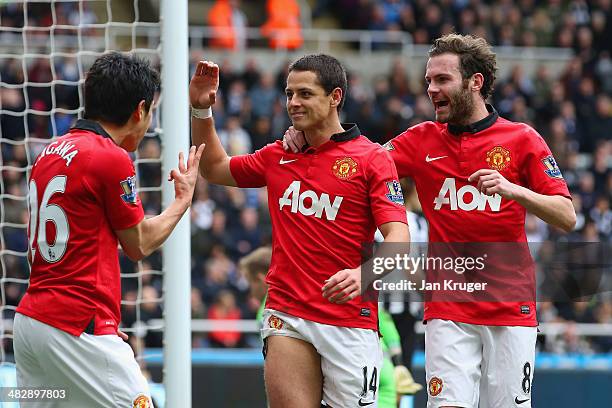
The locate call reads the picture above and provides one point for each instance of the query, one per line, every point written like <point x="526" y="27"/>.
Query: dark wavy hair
<point x="475" y="55"/>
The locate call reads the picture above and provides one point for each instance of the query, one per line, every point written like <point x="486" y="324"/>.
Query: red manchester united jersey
<point x="440" y="158"/>
<point x="325" y="204"/>
<point x="82" y="188"/>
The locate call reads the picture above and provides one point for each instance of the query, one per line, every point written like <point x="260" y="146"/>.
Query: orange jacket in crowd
<point x="283" y="25"/>
<point x="220" y="20"/>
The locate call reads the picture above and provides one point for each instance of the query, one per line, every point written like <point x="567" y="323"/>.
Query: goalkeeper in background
<point x="254" y="267"/>
<point x="395" y="379"/>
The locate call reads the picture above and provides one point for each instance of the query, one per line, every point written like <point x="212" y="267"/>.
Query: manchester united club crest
<point x="498" y="158"/>
<point x="344" y="168"/>
<point x="435" y="386"/>
<point x="141" y="401"/>
<point x="275" y="323"/>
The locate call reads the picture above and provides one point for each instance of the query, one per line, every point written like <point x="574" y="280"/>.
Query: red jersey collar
<point x="351" y="131"/>
<point x="476" y="126"/>
<point x="91" y="126"/>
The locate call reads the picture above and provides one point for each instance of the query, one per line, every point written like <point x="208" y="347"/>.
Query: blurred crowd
<point x="573" y="112"/>
<point x="579" y="24"/>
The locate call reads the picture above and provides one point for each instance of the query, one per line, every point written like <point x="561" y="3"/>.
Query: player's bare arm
<point x="142" y="239"/>
<point x="556" y="210"/>
<point x="202" y="94"/>
<point x="345" y="285"/>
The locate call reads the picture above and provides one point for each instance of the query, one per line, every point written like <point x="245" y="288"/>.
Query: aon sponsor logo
<point x="467" y="198"/>
<point x="309" y="203"/>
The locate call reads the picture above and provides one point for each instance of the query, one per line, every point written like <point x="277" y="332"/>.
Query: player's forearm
<point x="156" y="230"/>
<point x="396" y="243"/>
<point x="554" y="210"/>
<point x="398" y="234"/>
<point x="215" y="161"/>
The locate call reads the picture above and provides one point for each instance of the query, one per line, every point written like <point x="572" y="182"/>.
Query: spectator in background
<point x="600" y="168"/>
<point x="602" y="216"/>
<point x="202" y="208"/>
<point x="261" y="132"/>
<point x="198" y="311"/>
<point x="234" y="137"/>
<point x="600" y="126"/>
<point x="247" y="235"/>
<point x="150" y="308"/>
<point x="229" y="25"/>
<point x="264" y="94"/>
<point x="283" y="28"/>
<point x="215" y="278"/>
<point x="251" y="74"/>
<point x="224" y="308"/>
<point x="149" y="172"/>
<point x="586" y="190"/>
<point x="236" y="98"/>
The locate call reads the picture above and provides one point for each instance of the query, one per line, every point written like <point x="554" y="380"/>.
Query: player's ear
<point x="477" y="82"/>
<point x="336" y="95"/>
<point x="140" y="112"/>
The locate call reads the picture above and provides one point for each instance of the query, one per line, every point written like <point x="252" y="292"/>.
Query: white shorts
<point x="468" y="364"/>
<point x="95" y="371"/>
<point x="351" y="358"/>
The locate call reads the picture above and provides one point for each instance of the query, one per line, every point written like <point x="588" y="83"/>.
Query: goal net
<point x="46" y="47"/>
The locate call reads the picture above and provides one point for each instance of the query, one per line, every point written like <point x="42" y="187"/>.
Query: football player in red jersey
<point x="82" y="200"/>
<point x="477" y="352"/>
<point x="321" y="339"/>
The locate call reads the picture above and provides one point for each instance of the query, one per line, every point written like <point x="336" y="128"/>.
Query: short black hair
<point x="114" y="86"/>
<point x="330" y="73"/>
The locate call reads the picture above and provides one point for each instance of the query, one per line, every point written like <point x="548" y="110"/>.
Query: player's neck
<point x="480" y="112"/>
<point x="119" y="134"/>
<point x="319" y="135"/>
<point x="115" y="132"/>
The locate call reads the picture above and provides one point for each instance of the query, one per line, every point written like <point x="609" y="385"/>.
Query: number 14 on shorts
<point x="370" y="385"/>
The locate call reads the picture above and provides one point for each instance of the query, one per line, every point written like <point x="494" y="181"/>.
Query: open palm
<point x="204" y="84"/>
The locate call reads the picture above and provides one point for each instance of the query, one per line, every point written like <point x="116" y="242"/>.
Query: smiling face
<point x="449" y="93"/>
<point x="308" y="105"/>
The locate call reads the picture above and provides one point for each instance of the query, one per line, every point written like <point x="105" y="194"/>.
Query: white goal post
<point x="177" y="250"/>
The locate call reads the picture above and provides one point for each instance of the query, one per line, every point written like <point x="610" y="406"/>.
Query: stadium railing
<point x="318" y="39"/>
<point x="252" y="326"/>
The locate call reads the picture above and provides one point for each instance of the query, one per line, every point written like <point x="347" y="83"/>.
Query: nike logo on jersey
<point x="283" y="161"/>
<point x="363" y="403"/>
<point x="430" y="159"/>
<point x="519" y="402"/>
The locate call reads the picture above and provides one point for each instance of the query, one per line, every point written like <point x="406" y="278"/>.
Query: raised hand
<point x="204" y="85"/>
<point x="185" y="177"/>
